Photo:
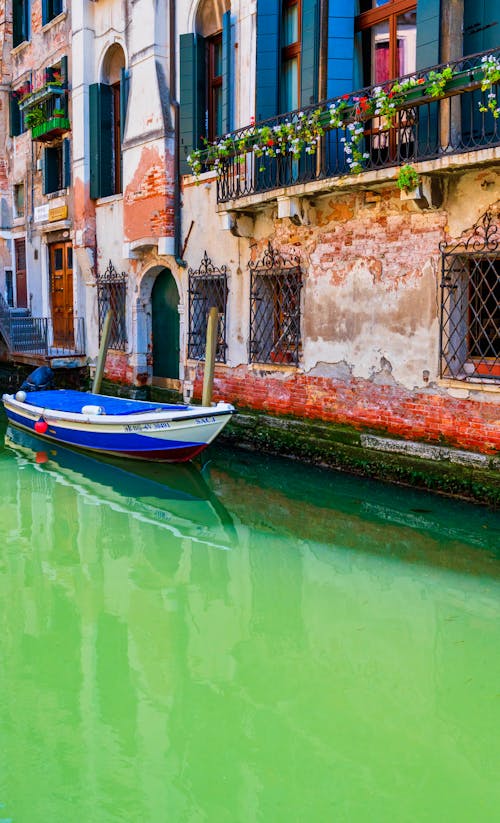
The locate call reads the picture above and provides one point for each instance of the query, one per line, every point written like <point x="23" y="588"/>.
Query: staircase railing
<point x="5" y="322"/>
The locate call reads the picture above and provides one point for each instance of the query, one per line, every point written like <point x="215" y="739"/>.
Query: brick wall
<point x="425" y="415"/>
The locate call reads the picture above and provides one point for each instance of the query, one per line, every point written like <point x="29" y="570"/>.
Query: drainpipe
<point x="177" y="166"/>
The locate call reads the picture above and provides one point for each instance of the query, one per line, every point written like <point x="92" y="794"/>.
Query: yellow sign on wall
<point x="59" y="213"/>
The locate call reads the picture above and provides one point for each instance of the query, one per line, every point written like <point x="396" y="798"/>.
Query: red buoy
<point x="41" y="426"/>
<point x="41" y="457"/>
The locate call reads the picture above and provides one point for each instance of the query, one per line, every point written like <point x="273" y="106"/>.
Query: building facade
<point x="342" y="297"/>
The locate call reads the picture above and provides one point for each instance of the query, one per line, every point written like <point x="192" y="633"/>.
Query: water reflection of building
<point x="163" y="663"/>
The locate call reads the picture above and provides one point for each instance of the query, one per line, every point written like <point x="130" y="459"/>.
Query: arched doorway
<point x="165" y="323"/>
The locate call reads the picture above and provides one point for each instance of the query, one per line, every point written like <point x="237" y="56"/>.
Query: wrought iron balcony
<point x="444" y="110"/>
<point x="46" y="111"/>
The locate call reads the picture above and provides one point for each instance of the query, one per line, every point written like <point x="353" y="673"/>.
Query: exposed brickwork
<point x="148" y="203"/>
<point x="424" y="415"/>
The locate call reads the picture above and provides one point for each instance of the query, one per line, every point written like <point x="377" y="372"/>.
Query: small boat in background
<point x="118" y="426"/>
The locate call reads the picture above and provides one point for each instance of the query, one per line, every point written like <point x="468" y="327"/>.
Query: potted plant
<point x="58" y="113"/>
<point x="408" y="181"/>
<point x="34" y="117"/>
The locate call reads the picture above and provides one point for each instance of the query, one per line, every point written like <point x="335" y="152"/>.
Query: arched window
<point x="205" y="77"/>
<point x="108" y="107"/>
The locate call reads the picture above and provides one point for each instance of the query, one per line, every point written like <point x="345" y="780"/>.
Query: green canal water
<point x="246" y="640"/>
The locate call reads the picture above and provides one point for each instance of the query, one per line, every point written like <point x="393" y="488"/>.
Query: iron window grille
<point x="275" y="288"/>
<point x="207" y="289"/>
<point x="470" y="303"/>
<point x="112" y="294"/>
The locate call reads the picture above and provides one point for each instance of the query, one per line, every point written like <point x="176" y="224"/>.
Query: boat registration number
<point x="204" y="420"/>
<point x="146" y="427"/>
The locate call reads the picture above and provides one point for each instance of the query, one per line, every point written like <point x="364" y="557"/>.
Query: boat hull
<point x="163" y="434"/>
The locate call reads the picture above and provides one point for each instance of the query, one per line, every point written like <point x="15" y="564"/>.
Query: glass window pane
<point x="407" y="42"/>
<point x="289" y="88"/>
<point x="58" y="258"/>
<point x="290" y="25"/>
<point x="217" y="57"/>
<point x="380" y="53"/>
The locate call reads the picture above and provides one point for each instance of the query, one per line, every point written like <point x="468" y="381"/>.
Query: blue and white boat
<point x="117" y="426"/>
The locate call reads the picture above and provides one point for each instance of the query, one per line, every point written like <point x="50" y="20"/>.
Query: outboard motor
<point x="39" y="380"/>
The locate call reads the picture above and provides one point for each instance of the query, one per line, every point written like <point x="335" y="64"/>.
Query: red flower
<point x="420" y="81"/>
<point x="345" y="97"/>
<point x="270" y="142"/>
<point x="391" y="94"/>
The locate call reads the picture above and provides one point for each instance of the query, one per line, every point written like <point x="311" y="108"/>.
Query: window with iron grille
<point x="470" y="304"/>
<point x="112" y="295"/>
<point x="207" y="289"/>
<point x="275" y="287"/>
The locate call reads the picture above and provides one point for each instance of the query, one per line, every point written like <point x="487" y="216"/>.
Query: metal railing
<point x="47" y="336"/>
<point x="461" y="120"/>
<point x="5" y="321"/>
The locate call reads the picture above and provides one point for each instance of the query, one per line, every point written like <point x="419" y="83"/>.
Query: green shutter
<point x="66" y="161"/>
<point x="15" y="117"/>
<point x="309" y="61"/>
<point x="268" y="59"/>
<point x="193" y="96"/>
<point x="101" y="140"/>
<point x="481" y="25"/>
<point x="428" y="27"/>
<point x="50" y="170"/>
<point x="227" y="83"/>
<point x="124" y="91"/>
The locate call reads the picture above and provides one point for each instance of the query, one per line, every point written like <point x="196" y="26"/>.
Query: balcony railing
<point x="460" y="117"/>
<point x="46" y="111"/>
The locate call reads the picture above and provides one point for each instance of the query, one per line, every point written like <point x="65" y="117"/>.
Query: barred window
<point x="207" y="289"/>
<point x="112" y="295"/>
<point x="275" y="288"/>
<point x="470" y="304"/>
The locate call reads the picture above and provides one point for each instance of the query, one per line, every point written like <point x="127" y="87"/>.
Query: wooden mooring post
<point x="103" y="350"/>
<point x="210" y="351"/>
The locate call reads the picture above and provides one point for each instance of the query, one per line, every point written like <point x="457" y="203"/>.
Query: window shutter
<point x="101" y="140"/>
<point x="193" y="96"/>
<point x="309" y="61"/>
<point x="227" y="74"/>
<point x="428" y="25"/>
<point x="64" y="71"/>
<point x="66" y="160"/>
<point x="50" y="170"/>
<point x="481" y="26"/>
<point x="45" y="12"/>
<point x="340" y="62"/>
<point x="124" y="91"/>
<point x="15" y="117"/>
<point x="268" y="58"/>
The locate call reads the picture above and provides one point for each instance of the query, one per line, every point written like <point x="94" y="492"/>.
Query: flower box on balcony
<point x="50" y="128"/>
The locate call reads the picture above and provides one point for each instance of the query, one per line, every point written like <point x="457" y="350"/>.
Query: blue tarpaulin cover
<point x="69" y="400"/>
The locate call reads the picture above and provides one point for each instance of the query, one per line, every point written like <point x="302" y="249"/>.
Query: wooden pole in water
<point x="210" y="350"/>
<point x="103" y="350"/>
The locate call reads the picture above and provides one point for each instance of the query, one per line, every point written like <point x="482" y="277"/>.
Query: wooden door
<point x="21" y="284"/>
<point x="61" y="293"/>
<point x="165" y="306"/>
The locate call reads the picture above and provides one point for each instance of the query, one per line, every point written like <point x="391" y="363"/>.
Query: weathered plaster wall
<point x="370" y="312"/>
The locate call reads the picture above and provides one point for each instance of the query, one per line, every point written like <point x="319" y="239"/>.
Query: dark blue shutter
<point x="193" y="103"/>
<point x="227" y="74"/>
<point x="50" y="170"/>
<point x="309" y="59"/>
<point x="268" y="59"/>
<point x="66" y="163"/>
<point x="45" y="12"/>
<point x="64" y="71"/>
<point x="428" y="28"/>
<point x="101" y="140"/>
<point x="340" y="58"/>
<point x="15" y="116"/>
<point x="124" y="91"/>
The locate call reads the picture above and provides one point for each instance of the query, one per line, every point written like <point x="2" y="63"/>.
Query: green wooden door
<point x="165" y="302"/>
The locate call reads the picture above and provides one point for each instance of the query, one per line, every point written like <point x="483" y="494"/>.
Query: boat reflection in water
<point x="174" y="496"/>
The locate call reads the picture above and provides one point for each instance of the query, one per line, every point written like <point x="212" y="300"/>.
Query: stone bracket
<point x="297" y="209"/>
<point x="428" y="194"/>
<point x="238" y="223"/>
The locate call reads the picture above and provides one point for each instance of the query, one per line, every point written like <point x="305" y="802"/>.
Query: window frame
<point x="22" y="22"/>
<point x="291" y="51"/>
<point x="390" y="11"/>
